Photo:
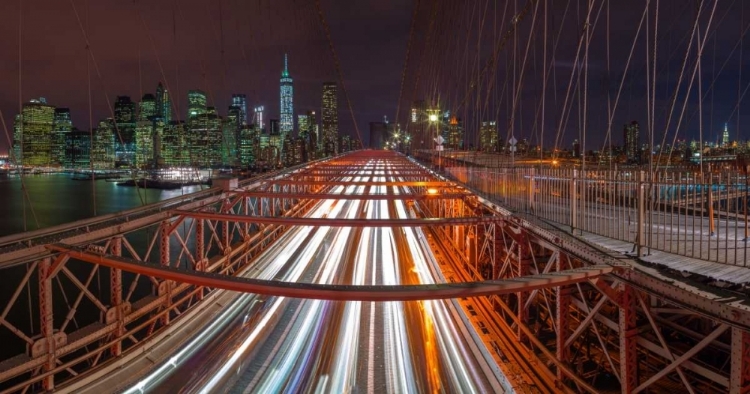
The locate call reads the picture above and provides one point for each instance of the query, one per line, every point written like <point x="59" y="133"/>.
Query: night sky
<point x="234" y="46"/>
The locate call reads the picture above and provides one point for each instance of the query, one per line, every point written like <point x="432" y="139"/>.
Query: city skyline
<point x="186" y="54"/>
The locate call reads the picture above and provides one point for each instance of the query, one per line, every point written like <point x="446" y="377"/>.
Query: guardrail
<point x="698" y="215"/>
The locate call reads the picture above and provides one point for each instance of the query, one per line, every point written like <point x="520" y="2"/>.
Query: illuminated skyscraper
<point x="330" y="118"/>
<point x="147" y="107"/>
<point x="240" y="101"/>
<point x="163" y="104"/>
<point x="77" y="149"/>
<point x="125" y="120"/>
<point x="286" y="124"/>
<point x="247" y="145"/>
<point x="488" y="136"/>
<point x="303" y="126"/>
<point x="196" y="103"/>
<point x="173" y="145"/>
<point x="205" y="140"/>
<point x="314" y="130"/>
<point x="454" y="134"/>
<point x="230" y="134"/>
<point x="35" y="128"/>
<point x="62" y="127"/>
<point x="144" y="142"/>
<point x="725" y="136"/>
<point x="258" y="119"/>
<point x="103" y="148"/>
<point x="630" y="139"/>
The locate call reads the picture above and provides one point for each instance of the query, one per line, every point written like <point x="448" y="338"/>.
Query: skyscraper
<point x="247" y="145"/>
<point x="173" y="144"/>
<point x="77" y="149"/>
<point x="102" y="153"/>
<point x="35" y="128"/>
<point x="330" y="118"/>
<point x="631" y="142"/>
<point x="314" y="131"/>
<point x="205" y="140"/>
<point x="196" y="103"/>
<point x="125" y="120"/>
<point x="303" y="126"/>
<point x="455" y="131"/>
<point x="147" y="107"/>
<point x="62" y="127"/>
<point x="286" y="124"/>
<point x="240" y="101"/>
<point x="230" y="135"/>
<point x="725" y="136"/>
<point x="163" y="104"/>
<point x="378" y="133"/>
<point x="258" y="119"/>
<point x="488" y="136"/>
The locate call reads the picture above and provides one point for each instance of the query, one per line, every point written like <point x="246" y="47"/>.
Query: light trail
<point x="318" y="347"/>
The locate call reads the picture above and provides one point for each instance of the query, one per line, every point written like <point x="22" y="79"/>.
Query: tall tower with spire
<point x="286" y="121"/>
<point x="725" y="136"/>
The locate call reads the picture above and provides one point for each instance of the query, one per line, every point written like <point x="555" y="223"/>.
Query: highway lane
<point x="224" y="332"/>
<point x="289" y="345"/>
<point x="366" y="347"/>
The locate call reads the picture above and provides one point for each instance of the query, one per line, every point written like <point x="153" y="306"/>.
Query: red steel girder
<point x="339" y="292"/>
<point x="332" y="196"/>
<point x="335" y="222"/>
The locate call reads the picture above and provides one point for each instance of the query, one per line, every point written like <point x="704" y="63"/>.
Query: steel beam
<point x="331" y="222"/>
<point x="46" y="322"/>
<point x="628" y="341"/>
<point x="339" y="292"/>
<point x="333" y="196"/>
<point x="739" y="379"/>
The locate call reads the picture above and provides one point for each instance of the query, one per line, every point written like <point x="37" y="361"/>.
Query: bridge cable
<point x="85" y="35"/>
<point x="414" y="15"/>
<point x="337" y="65"/>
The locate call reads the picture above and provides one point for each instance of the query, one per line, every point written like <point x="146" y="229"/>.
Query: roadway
<point x="267" y="344"/>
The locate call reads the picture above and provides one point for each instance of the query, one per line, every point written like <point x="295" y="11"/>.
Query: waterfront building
<point x="62" y="126"/>
<point x="34" y="129"/>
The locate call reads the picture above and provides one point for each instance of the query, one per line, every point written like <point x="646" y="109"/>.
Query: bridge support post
<point x="574" y="201"/>
<point x="46" y="321"/>
<point x="523" y="270"/>
<point x="739" y="375"/>
<point x="641" y="234"/>
<point x="561" y="319"/>
<point x="532" y="187"/>
<point x="199" y="243"/>
<point x="165" y="286"/>
<point x="628" y="341"/>
<point x="225" y="237"/>
<point x="115" y="285"/>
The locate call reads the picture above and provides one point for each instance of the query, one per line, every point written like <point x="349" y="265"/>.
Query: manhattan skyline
<point x="224" y="48"/>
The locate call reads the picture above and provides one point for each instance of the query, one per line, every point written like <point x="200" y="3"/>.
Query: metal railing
<point x="698" y="215"/>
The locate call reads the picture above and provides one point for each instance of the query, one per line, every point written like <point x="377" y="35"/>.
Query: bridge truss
<point x="555" y="313"/>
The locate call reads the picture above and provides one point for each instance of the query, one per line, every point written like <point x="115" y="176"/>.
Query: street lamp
<point x="433" y="117"/>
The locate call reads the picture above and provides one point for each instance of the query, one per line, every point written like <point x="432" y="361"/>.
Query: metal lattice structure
<point x="626" y="327"/>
